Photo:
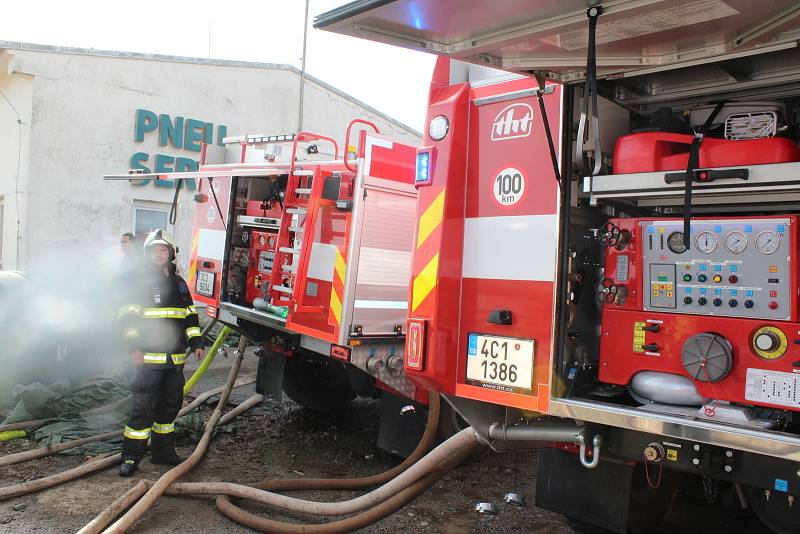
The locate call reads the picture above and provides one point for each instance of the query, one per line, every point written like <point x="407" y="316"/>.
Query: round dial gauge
<point x="736" y="242"/>
<point x="706" y="242"/>
<point x="767" y="242"/>
<point x="675" y="243"/>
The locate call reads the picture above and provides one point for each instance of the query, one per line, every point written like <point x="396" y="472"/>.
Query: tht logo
<point x="512" y="122"/>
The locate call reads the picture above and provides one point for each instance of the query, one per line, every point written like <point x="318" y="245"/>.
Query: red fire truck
<point x="605" y="262"/>
<point x="309" y="254"/>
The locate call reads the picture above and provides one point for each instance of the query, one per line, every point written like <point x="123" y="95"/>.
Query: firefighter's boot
<point x="128" y="467"/>
<point x="163" y="449"/>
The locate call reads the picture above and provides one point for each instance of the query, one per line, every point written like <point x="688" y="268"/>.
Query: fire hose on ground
<point x="425" y="443"/>
<point x="380" y="502"/>
<point x="149" y="498"/>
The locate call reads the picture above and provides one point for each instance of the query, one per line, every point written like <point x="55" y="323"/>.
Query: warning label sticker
<point x="773" y="387"/>
<point x="685" y="14"/>
<point x="508" y="187"/>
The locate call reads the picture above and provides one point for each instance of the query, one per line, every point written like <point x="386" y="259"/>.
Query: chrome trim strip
<point x="777" y="444"/>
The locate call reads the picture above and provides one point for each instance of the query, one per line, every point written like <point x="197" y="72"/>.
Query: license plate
<point x="205" y="284"/>
<point x="502" y="363"/>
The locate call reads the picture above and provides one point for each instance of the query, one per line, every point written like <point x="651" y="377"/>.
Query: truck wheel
<point x="317" y="383"/>
<point x="648" y="505"/>
<point x="450" y="423"/>
<point x="776" y="512"/>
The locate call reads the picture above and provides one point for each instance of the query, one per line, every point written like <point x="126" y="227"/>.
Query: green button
<point x="687" y="277"/>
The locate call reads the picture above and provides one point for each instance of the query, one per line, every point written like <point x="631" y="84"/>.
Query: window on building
<point x="149" y="216"/>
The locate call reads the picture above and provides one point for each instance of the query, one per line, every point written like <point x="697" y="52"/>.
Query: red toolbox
<point x="663" y="151"/>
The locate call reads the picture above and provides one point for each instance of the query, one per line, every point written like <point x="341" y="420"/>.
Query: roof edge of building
<point x="34" y="47"/>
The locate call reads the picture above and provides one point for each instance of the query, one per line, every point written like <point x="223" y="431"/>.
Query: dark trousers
<point x="157" y="399"/>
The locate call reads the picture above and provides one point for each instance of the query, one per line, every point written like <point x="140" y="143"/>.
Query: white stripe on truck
<point x="511" y="248"/>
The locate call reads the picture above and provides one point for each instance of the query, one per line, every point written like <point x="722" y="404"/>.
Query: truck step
<point x="283" y="289"/>
<point x="303" y="191"/>
<point x="303" y="173"/>
<point x="297" y="229"/>
<point x="289" y="250"/>
<point x="297" y="211"/>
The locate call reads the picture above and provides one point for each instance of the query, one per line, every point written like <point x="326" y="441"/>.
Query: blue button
<point x="718" y="268"/>
<point x="651" y="229"/>
<point x="703" y="267"/>
<point x="780" y="228"/>
<point x="718" y="229"/>
<point x="734" y="268"/>
<point x="702" y="291"/>
<point x="781" y="485"/>
<point x="749" y="293"/>
<point x="688" y="289"/>
<point x="748" y="228"/>
<point x="733" y="292"/>
<point x="718" y="291"/>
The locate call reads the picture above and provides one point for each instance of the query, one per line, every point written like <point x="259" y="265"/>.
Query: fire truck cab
<point x="605" y="262"/>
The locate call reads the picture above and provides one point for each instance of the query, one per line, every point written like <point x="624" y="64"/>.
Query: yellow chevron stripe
<point x="424" y="282"/>
<point x="430" y="219"/>
<point x="336" y="307"/>
<point x="193" y="263"/>
<point x="339" y="266"/>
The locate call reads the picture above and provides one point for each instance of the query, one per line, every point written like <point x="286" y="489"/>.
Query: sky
<point x="391" y="79"/>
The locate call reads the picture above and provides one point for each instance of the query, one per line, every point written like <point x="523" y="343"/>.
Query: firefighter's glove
<point x="138" y="357"/>
<point x="199" y="353"/>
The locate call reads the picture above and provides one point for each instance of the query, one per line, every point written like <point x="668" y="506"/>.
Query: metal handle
<point x="347" y="139"/>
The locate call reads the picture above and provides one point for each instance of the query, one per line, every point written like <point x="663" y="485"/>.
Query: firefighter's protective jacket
<point x="159" y="318"/>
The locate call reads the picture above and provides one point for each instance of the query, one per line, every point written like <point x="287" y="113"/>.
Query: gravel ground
<point x="286" y="441"/>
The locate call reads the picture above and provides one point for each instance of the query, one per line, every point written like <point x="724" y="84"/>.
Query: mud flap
<point x="400" y="428"/>
<point x="603" y="499"/>
<point x="269" y="377"/>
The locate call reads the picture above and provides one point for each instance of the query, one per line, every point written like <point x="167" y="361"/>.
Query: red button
<point x="773" y="294"/>
<point x="773" y="305"/>
<point x="733" y="279"/>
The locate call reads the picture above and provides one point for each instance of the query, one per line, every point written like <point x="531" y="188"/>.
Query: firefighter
<point x="159" y="321"/>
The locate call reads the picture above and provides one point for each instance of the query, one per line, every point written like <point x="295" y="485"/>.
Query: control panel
<point x="736" y="267"/>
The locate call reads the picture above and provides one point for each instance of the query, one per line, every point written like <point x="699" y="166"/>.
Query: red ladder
<point x="296" y="234"/>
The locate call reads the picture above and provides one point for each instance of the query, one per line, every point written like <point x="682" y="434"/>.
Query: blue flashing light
<point x="423" y="168"/>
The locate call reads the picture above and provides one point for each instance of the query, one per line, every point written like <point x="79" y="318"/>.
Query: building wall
<point x="83" y="108"/>
<point x="15" y="138"/>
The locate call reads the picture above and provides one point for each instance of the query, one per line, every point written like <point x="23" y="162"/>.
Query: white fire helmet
<point x="161" y="237"/>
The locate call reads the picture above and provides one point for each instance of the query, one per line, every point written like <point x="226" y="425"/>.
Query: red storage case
<point x="662" y="151"/>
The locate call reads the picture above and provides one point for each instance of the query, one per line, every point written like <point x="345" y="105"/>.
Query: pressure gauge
<point x="675" y="243"/>
<point x="706" y="242"/>
<point x="767" y="242"/>
<point x="736" y="242"/>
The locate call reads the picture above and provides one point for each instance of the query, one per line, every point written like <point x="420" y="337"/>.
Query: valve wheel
<point x="607" y="290"/>
<point x="609" y="237"/>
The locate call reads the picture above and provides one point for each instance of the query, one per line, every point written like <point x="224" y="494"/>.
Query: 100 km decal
<point x="508" y="186"/>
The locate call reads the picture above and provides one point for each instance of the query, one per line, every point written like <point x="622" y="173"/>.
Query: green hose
<point x="8" y="435"/>
<point x="212" y="353"/>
